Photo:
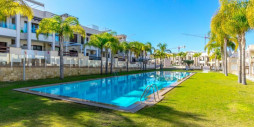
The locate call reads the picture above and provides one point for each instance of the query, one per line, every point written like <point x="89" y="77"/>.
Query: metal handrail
<point x="148" y="89"/>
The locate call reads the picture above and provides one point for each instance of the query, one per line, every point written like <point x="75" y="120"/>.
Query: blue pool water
<point x="121" y="91"/>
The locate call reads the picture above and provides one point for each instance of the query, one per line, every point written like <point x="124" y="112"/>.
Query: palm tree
<point x="182" y="55"/>
<point x="124" y="46"/>
<point x="174" y="55"/>
<point x="100" y="41"/>
<point x="238" y="25"/>
<point x="64" y="28"/>
<point x="155" y="55"/>
<point x="142" y="50"/>
<point x="196" y="56"/>
<point x="137" y="48"/>
<point x="148" y="48"/>
<point x="216" y="54"/>
<point x="217" y="32"/>
<point x="113" y="45"/>
<point x="161" y="52"/>
<point x="14" y="7"/>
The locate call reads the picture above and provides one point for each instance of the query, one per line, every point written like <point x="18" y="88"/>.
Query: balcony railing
<point x="8" y="25"/>
<point x="92" y="57"/>
<point x="4" y="49"/>
<point x="71" y="54"/>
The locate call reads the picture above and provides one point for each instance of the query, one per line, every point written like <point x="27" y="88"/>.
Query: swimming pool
<point x="121" y="91"/>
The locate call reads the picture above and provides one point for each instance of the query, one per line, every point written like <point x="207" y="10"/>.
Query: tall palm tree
<point x="100" y="41"/>
<point x="64" y="28"/>
<point x="142" y="48"/>
<point x="137" y="48"/>
<point x="238" y="25"/>
<point x="125" y="47"/>
<point x="217" y="24"/>
<point x="174" y="55"/>
<point x="162" y="52"/>
<point x="113" y="45"/>
<point x="196" y="56"/>
<point x="14" y="7"/>
<point x="182" y="55"/>
<point x="155" y="55"/>
<point x="148" y="48"/>
<point x="216" y="54"/>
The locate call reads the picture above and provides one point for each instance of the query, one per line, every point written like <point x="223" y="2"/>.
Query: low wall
<point x="16" y="73"/>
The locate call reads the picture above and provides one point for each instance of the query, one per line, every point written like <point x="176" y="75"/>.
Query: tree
<point x="64" y="28"/>
<point x="162" y="52"/>
<point x="137" y="48"/>
<point x="217" y="24"/>
<point x="216" y="54"/>
<point x="124" y="46"/>
<point x="188" y="62"/>
<point x="196" y="56"/>
<point x="238" y="25"/>
<point x="174" y="55"/>
<point x="113" y="45"/>
<point x="14" y="7"/>
<point x="148" y="48"/>
<point x="100" y="41"/>
<point x="155" y="55"/>
<point x="182" y="55"/>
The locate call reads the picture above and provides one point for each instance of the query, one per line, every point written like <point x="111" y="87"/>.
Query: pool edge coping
<point x="136" y="107"/>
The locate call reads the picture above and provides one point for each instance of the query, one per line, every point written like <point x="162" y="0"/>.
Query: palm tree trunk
<point x="106" y="69"/>
<point x="111" y="65"/>
<point x="143" y="66"/>
<point x="155" y="64"/>
<point x="127" y="63"/>
<point x="222" y="58"/>
<point x="215" y="60"/>
<point x="61" y="58"/>
<point x="160" y="64"/>
<point x="240" y="60"/>
<point x="225" y="57"/>
<point x="101" y="60"/>
<point x="243" y="60"/>
<point x="145" y="61"/>
<point x="130" y="56"/>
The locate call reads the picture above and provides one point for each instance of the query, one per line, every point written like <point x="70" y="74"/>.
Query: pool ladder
<point x="147" y="90"/>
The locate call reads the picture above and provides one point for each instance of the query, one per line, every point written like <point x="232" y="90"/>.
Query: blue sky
<point x="155" y="21"/>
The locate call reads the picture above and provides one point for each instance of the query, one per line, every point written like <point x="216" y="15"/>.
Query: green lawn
<point x="206" y="99"/>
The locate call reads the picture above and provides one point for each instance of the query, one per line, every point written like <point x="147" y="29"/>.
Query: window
<point x="37" y="47"/>
<point x="13" y="41"/>
<point x="3" y="44"/>
<point x="82" y="40"/>
<point x="13" y="21"/>
<point x="34" y="27"/>
<point x="74" y="39"/>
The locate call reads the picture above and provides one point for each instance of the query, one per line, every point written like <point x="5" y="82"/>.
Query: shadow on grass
<point x="31" y="110"/>
<point x="172" y="116"/>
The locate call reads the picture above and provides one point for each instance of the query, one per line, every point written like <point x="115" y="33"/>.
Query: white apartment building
<point x="17" y="33"/>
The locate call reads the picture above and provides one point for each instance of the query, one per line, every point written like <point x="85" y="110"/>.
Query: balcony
<point x="7" y="25"/>
<point x="42" y="37"/>
<point x="8" y="30"/>
<point x="4" y="49"/>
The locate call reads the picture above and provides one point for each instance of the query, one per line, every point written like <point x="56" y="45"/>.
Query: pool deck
<point x="133" y="108"/>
